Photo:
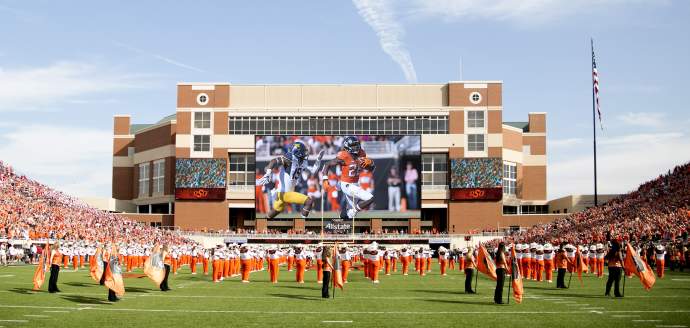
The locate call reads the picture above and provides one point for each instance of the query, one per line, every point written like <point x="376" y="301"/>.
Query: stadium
<point x="455" y="121"/>
<point x="371" y="163"/>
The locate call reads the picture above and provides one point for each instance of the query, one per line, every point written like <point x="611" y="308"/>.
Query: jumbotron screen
<point x="346" y="177"/>
<point x="200" y="178"/>
<point x="476" y="178"/>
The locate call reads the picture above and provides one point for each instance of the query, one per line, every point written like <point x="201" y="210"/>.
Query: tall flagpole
<point x="594" y="126"/>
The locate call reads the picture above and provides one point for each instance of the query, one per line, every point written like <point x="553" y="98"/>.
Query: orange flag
<point x="337" y="274"/>
<point x="154" y="267"/>
<point x="516" y="277"/>
<point x="580" y="265"/>
<point x="635" y="264"/>
<point x="96" y="271"/>
<point x="40" y="273"/>
<point x="113" y="277"/>
<point x="485" y="264"/>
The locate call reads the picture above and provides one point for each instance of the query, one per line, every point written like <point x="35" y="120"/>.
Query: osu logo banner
<point x="476" y="194"/>
<point x="200" y="193"/>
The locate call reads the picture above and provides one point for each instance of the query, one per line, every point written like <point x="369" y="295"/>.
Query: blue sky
<point x="67" y="67"/>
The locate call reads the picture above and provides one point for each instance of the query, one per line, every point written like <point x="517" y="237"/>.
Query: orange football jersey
<point x="349" y="171"/>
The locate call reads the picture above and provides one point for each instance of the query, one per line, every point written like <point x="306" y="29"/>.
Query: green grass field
<point x="398" y="301"/>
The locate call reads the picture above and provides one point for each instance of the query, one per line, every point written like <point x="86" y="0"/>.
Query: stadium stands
<point x="31" y="210"/>
<point x="658" y="210"/>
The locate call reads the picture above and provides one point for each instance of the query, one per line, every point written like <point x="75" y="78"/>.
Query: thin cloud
<point x="623" y="162"/>
<point x="563" y="143"/>
<point x="73" y="159"/>
<point x="42" y="88"/>
<point x="159" y="57"/>
<point x="643" y="119"/>
<point x="523" y="12"/>
<point x="380" y="16"/>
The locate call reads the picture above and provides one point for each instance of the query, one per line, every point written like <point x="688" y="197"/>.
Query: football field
<point x="398" y="301"/>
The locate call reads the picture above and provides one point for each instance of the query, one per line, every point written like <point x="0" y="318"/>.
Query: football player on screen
<point x="290" y="167"/>
<point x="351" y="159"/>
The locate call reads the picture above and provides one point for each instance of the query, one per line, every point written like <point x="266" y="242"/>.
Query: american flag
<point x="595" y="82"/>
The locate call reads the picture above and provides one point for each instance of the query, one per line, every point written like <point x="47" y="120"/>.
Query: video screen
<point x="476" y="173"/>
<point x="476" y="178"/>
<point x="343" y="177"/>
<point x="200" y="178"/>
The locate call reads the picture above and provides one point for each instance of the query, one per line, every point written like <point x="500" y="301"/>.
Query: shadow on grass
<point x="574" y="295"/>
<point x="299" y="287"/>
<point x="80" y="284"/>
<point x="297" y="297"/>
<point x="86" y="300"/>
<point x="440" y="291"/>
<point x="540" y="287"/>
<point x="137" y="290"/>
<point x="461" y="302"/>
<point x="26" y="291"/>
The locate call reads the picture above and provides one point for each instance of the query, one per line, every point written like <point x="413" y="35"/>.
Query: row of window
<point x="338" y="125"/>
<point x="526" y="209"/>
<point x="158" y="178"/>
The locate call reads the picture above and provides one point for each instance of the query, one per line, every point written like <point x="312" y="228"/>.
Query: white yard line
<point x="643" y="320"/>
<point x="36" y="315"/>
<point x="56" y="311"/>
<point x="672" y="326"/>
<point x="332" y="312"/>
<point x="14" y="320"/>
<point x="337" y="321"/>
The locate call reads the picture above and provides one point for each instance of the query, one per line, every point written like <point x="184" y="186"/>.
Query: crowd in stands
<point x="659" y="210"/>
<point x="30" y="210"/>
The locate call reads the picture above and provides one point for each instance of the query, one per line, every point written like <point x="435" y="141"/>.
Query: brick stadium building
<point x="220" y="120"/>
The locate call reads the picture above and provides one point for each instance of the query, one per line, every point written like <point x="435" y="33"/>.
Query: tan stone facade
<point x="520" y="144"/>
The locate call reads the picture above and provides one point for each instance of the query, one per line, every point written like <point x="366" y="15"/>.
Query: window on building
<point x="475" y="97"/>
<point x="509" y="178"/>
<point x="510" y="209"/>
<point x="143" y="179"/>
<point x="435" y="169"/>
<point x="475" y="119"/>
<point x="475" y="142"/>
<point x="338" y="125"/>
<point x="534" y="209"/>
<point x="202" y="120"/>
<point x="241" y="169"/>
<point x="202" y="143"/>
<point x="158" y="176"/>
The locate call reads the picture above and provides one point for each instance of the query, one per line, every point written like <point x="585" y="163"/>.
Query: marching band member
<point x="394" y="260"/>
<point x="533" y="261"/>
<point x="592" y="259"/>
<point x="443" y="259"/>
<point x="526" y="261"/>
<point x="55" y="258"/>
<point x="300" y="263"/>
<point x="273" y="258"/>
<point x="461" y="259"/>
<point x="548" y="262"/>
<point x="470" y="264"/>
<point x="570" y="253"/>
<point x="375" y="263"/>
<point x="345" y="261"/>
<point x="539" y="258"/>
<point x="245" y="262"/>
<point x="600" y="260"/>
<point x="387" y="261"/>
<point x="659" y="255"/>
<point x="405" y="259"/>
<point x="206" y="256"/>
<point x="66" y="255"/>
<point x="290" y="259"/>
<point x="420" y="261"/>
<point x="428" y="254"/>
<point x="562" y="261"/>
<point x="319" y="263"/>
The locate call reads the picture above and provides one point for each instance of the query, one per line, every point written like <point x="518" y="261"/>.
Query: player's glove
<point x="263" y="180"/>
